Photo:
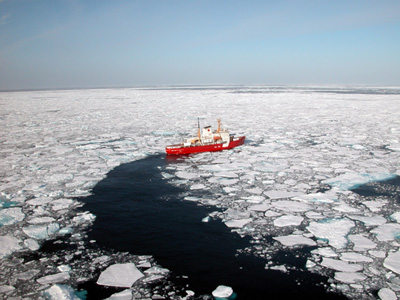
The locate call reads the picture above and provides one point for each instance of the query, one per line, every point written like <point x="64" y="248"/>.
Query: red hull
<point x="180" y="149"/>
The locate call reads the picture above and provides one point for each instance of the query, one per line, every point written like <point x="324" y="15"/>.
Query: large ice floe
<point x="292" y="185"/>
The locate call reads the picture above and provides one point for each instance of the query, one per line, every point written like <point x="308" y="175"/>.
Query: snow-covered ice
<point x="222" y="291"/>
<point x="292" y="179"/>
<point x="120" y="275"/>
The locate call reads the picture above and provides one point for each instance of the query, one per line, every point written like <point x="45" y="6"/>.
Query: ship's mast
<point x="198" y="128"/>
<point x="219" y="126"/>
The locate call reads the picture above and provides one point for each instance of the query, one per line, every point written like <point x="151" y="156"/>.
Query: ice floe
<point x="334" y="230"/>
<point x="120" y="275"/>
<point x="8" y="244"/>
<point x="295" y="240"/>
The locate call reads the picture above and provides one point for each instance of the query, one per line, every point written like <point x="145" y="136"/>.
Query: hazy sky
<point x="96" y="43"/>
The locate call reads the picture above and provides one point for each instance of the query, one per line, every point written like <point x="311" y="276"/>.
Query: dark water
<point x="140" y="212"/>
<point x="387" y="188"/>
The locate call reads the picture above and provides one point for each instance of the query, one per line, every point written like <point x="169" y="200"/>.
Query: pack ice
<point x="307" y="149"/>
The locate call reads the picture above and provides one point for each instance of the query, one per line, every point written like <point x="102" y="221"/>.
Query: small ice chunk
<point x="294" y="240"/>
<point x="8" y="244"/>
<point x="54" y="278"/>
<point x="340" y="265"/>
<point x="271" y="213"/>
<point x="280" y="194"/>
<point x="60" y="204"/>
<point x="392" y="262"/>
<point x="186" y="175"/>
<point x="361" y="243"/>
<point x="335" y="230"/>
<point x="291" y="206"/>
<point x="237" y="223"/>
<point x="84" y="217"/>
<point x="325" y="251"/>
<point x="355" y="257"/>
<point x="222" y="291"/>
<point x="157" y="270"/>
<point x="288" y="220"/>
<point x="281" y="268"/>
<point x="41" y="232"/>
<point x="31" y="244"/>
<point x="198" y="186"/>
<point x="124" y="295"/>
<point x="60" y="292"/>
<point x="206" y="219"/>
<point x="387" y="232"/>
<point x="120" y="275"/>
<point x="237" y="214"/>
<point x="378" y="254"/>
<point x="41" y="220"/>
<point x="349" y="277"/>
<point x="370" y="221"/>
<point x="387" y="294"/>
<point x="260" y="207"/>
<point x="395" y="217"/>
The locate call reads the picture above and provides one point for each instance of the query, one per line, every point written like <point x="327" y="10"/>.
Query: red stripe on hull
<point x="176" y="150"/>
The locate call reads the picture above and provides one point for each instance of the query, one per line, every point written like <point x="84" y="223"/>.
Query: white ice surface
<point x="222" y="291"/>
<point x="295" y="240"/>
<point x="288" y="220"/>
<point x="387" y="294"/>
<point x="392" y="262"/>
<point x="334" y="230"/>
<point x="340" y="265"/>
<point x="8" y="244"/>
<point x="56" y="145"/>
<point x="120" y="275"/>
<point x="54" y="278"/>
<point x="124" y="295"/>
<point x="60" y="292"/>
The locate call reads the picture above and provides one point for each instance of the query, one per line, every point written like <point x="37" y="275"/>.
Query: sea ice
<point x="370" y="221"/>
<point x="387" y="232"/>
<point x="41" y="232"/>
<point x="294" y="240"/>
<point x="352" y="179"/>
<point x="335" y="230"/>
<point x="340" y="265"/>
<point x="349" y="277"/>
<point x="124" y="295"/>
<point x="238" y="223"/>
<point x="355" y="257"/>
<point x="291" y="206"/>
<point x="280" y="194"/>
<point x="325" y="251"/>
<point x="392" y="262"/>
<point x="120" y="275"/>
<point x="60" y="292"/>
<point x="361" y="243"/>
<point x="222" y="291"/>
<point x="11" y="215"/>
<point x="288" y="220"/>
<point x="54" y="278"/>
<point x="387" y="294"/>
<point x="395" y="217"/>
<point x="8" y="244"/>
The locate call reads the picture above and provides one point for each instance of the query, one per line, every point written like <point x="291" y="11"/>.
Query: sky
<point x="126" y="43"/>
